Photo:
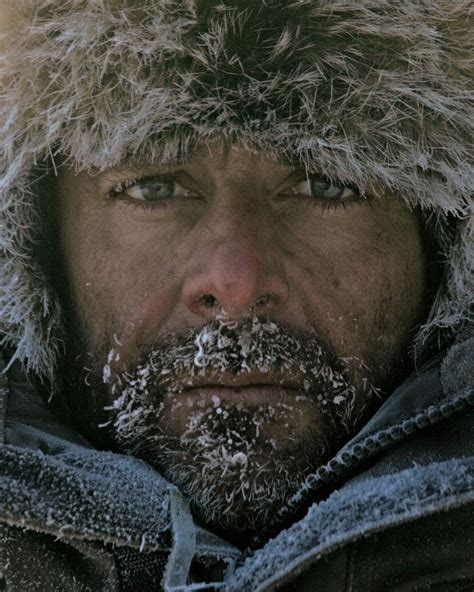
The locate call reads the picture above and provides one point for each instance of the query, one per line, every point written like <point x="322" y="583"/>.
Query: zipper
<point x="3" y="398"/>
<point x="353" y="455"/>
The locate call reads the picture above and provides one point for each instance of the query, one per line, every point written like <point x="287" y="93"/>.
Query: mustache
<point x="255" y="345"/>
<point x="230" y="347"/>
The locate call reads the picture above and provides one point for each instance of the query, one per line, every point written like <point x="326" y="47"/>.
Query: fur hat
<point x="368" y="92"/>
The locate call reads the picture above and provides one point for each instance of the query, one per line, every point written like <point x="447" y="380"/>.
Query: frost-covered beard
<point x="238" y="461"/>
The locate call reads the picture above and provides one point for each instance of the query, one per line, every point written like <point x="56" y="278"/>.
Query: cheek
<point x="121" y="274"/>
<point x="360" y="279"/>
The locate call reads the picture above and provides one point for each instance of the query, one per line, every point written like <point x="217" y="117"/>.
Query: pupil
<point x="325" y="189"/>
<point x="159" y="190"/>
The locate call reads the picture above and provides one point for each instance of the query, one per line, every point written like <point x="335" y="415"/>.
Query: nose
<point x="235" y="274"/>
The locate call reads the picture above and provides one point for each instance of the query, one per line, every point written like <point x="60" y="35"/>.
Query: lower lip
<point x="249" y="395"/>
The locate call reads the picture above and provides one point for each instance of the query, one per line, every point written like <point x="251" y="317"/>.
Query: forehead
<point x="224" y="156"/>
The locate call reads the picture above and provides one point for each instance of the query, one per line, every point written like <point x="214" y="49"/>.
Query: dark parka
<point x="394" y="508"/>
<point x="371" y="93"/>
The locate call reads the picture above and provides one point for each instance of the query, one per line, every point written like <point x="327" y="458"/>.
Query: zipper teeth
<point x="373" y="444"/>
<point x="3" y="398"/>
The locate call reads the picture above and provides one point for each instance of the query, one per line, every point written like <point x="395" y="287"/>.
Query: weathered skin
<point x="240" y="234"/>
<point x="139" y="272"/>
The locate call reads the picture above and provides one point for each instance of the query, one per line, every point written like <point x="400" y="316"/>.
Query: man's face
<point x="241" y="315"/>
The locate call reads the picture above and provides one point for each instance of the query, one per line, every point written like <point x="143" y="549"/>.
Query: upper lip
<point x="248" y="379"/>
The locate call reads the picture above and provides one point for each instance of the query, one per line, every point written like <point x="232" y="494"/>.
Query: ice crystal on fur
<point x="369" y="93"/>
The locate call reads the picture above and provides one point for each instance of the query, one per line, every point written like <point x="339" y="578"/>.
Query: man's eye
<point x="325" y="190"/>
<point x="155" y="189"/>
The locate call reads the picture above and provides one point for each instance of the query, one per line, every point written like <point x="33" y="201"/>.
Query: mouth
<point x="253" y="388"/>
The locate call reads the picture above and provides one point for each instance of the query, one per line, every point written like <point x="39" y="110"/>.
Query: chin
<point x="236" y="467"/>
<point x="232" y="492"/>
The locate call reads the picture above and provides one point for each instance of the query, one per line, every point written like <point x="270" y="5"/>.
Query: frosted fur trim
<point x="372" y="92"/>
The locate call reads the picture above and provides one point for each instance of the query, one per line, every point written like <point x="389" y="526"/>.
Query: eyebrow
<point x="136" y="169"/>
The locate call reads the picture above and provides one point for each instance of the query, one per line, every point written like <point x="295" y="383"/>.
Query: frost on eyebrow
<point x="130" y="171"/>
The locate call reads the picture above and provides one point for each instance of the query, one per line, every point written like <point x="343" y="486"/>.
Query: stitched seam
<point x="349" y="579"/>
<point x="431" y="507"/>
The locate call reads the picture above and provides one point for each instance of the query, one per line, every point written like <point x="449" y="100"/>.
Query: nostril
<point x="210" y="301"/>
<point x="207" y="300"/>
<point x="264" y="300"/>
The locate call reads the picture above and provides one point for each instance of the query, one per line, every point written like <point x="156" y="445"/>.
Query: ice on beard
<point x="230" y="347"/>
<point x="222" y="459"/>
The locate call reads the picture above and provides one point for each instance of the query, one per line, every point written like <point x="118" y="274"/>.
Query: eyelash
<point x="324" y="204"/>
<point x="331" y="204"/>
<point x="328" y="205"/>
<point x="121" y="186"/>
<point x="118" y="192"/>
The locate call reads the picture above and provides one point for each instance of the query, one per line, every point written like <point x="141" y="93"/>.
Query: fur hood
<point x="367" y="92"/>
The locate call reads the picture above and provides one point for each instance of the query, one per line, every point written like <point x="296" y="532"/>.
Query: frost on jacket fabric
<point x="370" y="92"/>
<point x="395" y="506"/>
